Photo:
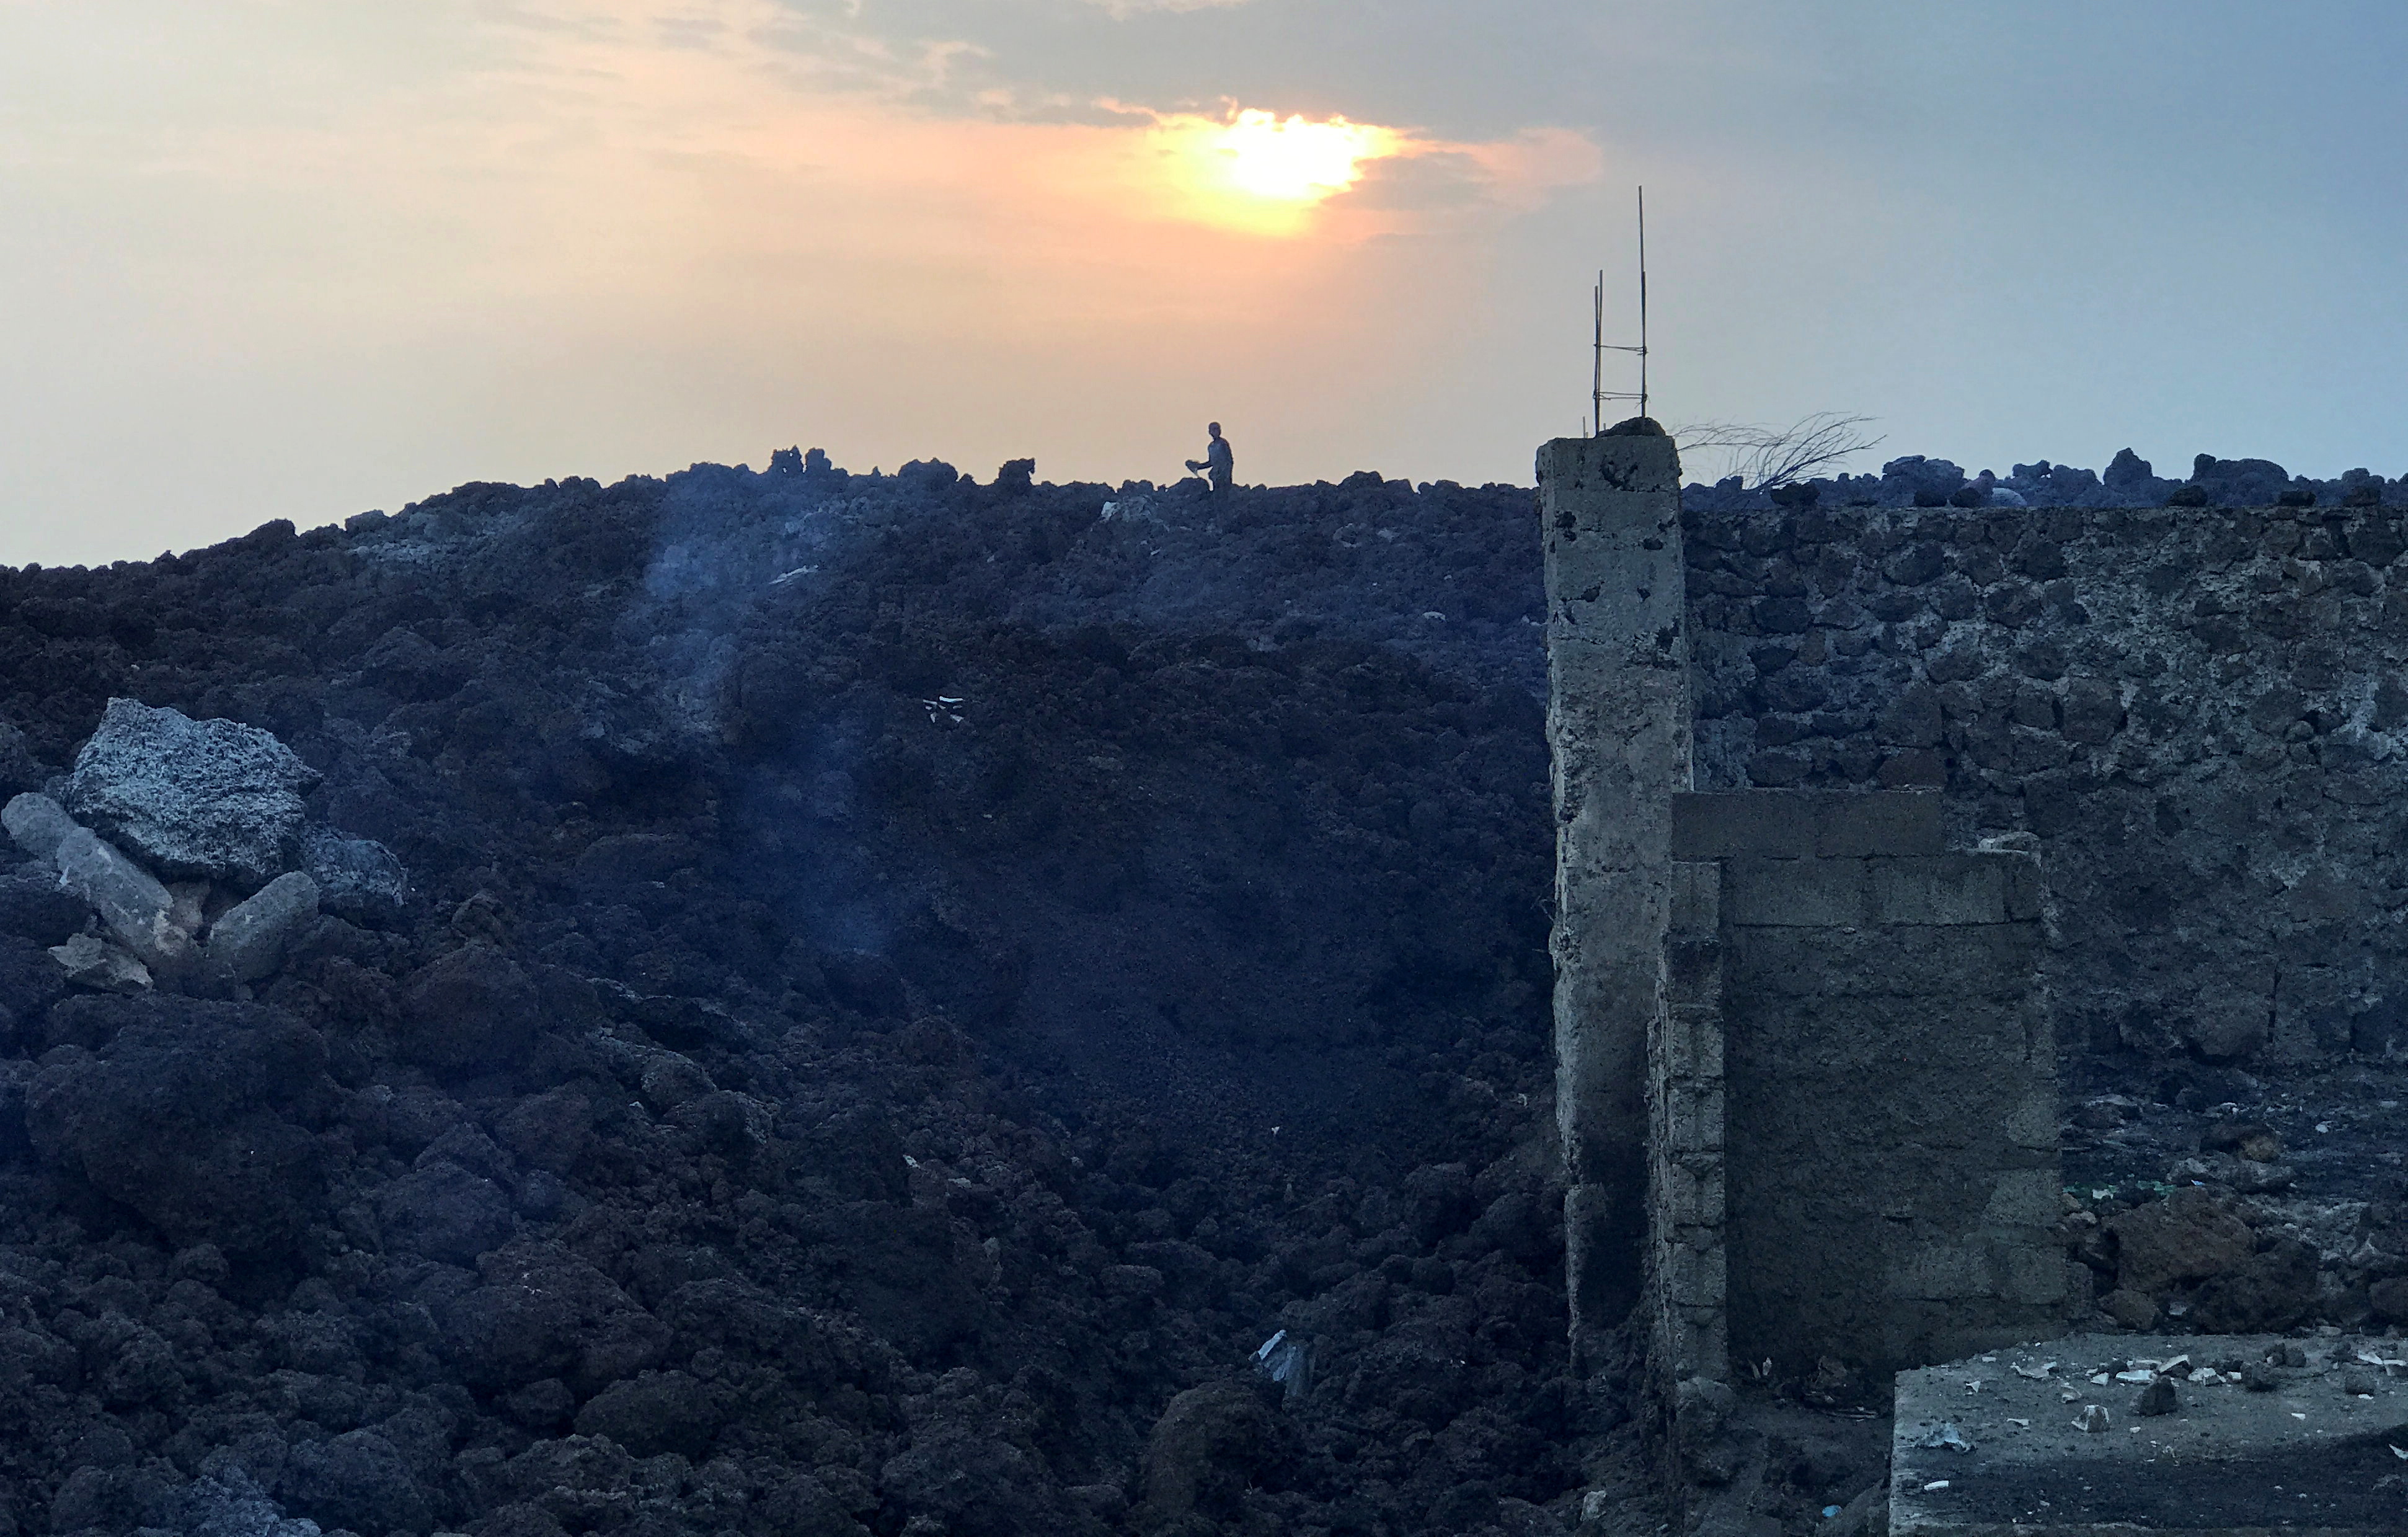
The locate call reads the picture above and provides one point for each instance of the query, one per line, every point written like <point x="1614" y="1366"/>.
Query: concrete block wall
<point x="1687" y="1256"/>
<point x="1888" y="1079"/>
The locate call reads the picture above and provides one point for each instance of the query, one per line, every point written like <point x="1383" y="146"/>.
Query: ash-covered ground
<point x="906" y="986"/>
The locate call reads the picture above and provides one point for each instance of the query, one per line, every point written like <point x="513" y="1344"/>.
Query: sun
<point x="1296" y="160"/>
<point x="1258" y="171"/>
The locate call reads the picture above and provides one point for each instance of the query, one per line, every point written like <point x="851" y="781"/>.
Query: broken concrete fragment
<point x="135" y="906"/>
<point x="248" y="943"/>
<point x="92" y="962"/>
<point x="214" y="799"/>
<point x="37" y="822"/>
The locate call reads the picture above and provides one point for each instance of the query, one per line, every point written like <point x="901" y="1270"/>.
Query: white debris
<point x="1945" y="1436"/>
<point x="2093" y="1419"/>
<point x="2037" y="1374"/>
<point x="789" y="576"/>
<point x="1935" y="1485"/>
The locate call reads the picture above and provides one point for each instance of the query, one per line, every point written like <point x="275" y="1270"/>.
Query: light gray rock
<point x="357" y="878"/>
<point x="92" y="962"/>
<point x="188" y="901"/>
<point x="211" y="798"/>
<point x="129" y="899"/>
<point x="37" y="822"/>
<point x="248" y="942"/>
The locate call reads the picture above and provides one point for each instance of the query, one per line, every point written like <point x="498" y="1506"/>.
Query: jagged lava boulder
<point x="357" y="878"/>
<point x="209" y="800"/>
<point x="201" y="1116"/>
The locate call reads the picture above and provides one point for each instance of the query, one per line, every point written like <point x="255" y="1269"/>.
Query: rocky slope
<point x="902" y="987"/>
<point x="901" y="982"/>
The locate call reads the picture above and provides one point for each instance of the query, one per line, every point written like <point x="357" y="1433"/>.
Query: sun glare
<point x="1256" y="170"/>
<point x="1299" y="161"/>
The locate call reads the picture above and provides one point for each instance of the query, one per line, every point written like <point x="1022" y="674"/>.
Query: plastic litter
<point x="1945" y="1435"/>
<point x="1935" y="1485"/>
<point x="2037" y="1374"/>
<point x="1829" y="1510"/>
<point x="1288" y="1363"/>
<point x="2094" y="1419"/>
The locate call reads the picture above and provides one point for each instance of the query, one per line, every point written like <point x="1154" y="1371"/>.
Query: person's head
<point x="1213" y="427"/>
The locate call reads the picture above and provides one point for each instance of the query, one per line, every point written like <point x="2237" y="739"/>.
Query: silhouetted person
<point x="1218" y="464"/>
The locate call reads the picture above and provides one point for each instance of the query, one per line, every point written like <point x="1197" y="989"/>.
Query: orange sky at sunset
<point x="260" y="259"/>
<point x="642" y="255"/>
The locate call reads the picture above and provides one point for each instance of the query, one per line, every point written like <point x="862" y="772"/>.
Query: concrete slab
<point x="2318" y="1449"/>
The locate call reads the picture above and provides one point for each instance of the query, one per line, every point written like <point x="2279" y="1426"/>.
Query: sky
<point x="304" y="258"/>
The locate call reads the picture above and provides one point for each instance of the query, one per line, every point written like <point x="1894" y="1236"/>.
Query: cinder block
<point x="1939" y="1272"/>
<point x="1891" y="822"/>
<point x="1695" y="1042"/>
<point x="1697" y="890"/>
<point x="1691" y="1196"/>
<point x="1730" y="824"/>
<point x="1693" y="1118"/>
<point x="1698" y="1277"/>
<point x="1949" y="888"/>
<point x="2024" y="1198"/>
<point x="2033" y="1123"/>
<point x="1801" y="823"/>
<point x="2032" y="1275"/>
<point x="1693" y="969"/>
<point x="1794" y="894"/>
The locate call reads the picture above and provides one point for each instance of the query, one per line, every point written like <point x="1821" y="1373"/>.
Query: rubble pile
<point x="875" y="1051"/>
<point x="213" y="806"/>
<point x="2130" y="480"/>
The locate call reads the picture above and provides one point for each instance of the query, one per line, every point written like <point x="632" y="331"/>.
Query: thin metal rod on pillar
<point x="1599" y="394"/>
<point x="1643" y="300"/>
<point x="1596" y="355"/>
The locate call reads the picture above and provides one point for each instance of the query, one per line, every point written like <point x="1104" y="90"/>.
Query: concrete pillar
<point x="1618" y="722"/>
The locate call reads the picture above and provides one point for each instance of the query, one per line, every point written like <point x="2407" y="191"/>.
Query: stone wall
<point x="2200" y="713"/>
